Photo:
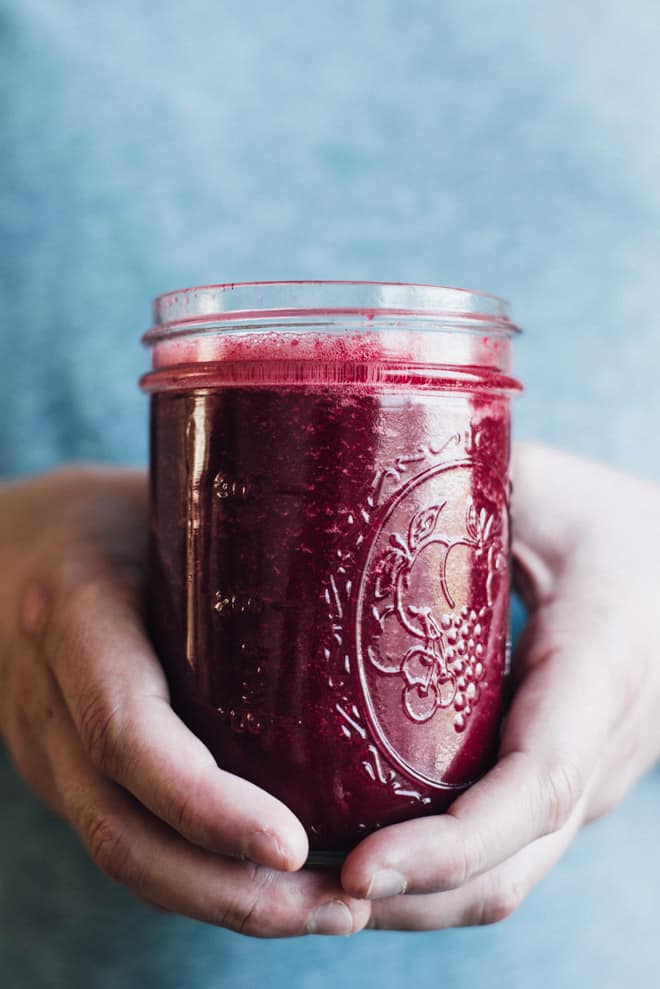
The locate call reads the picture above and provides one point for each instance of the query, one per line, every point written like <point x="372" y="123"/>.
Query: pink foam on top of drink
<point x="399" y="356"/>
<point x="273" y="345"/>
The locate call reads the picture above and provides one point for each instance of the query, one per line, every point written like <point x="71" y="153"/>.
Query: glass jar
<point x="330" y="539"/>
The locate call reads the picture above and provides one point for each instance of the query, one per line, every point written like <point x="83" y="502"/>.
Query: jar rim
<point x="232" y="304"/>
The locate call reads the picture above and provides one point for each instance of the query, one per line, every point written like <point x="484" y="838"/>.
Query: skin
<point x="84" y="712"/>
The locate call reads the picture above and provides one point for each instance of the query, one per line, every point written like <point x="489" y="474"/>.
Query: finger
<point x="488" y="899"/>
<point x="548" y="753"/>
<point x="159" y="866"/>
<point x="116" y="693"/>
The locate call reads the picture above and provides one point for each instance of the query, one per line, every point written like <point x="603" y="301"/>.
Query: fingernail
<point x="264" y="848"/>
<point x="333" y="917"/>
<point x="386" y="882"/>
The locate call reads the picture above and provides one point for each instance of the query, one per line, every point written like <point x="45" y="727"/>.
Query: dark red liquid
<point x="330" y="585"/>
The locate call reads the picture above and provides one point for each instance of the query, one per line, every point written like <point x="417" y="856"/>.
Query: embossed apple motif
<point x="443" y="664"/>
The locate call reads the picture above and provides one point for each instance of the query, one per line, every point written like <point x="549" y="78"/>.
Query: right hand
<point x="84" y="711"/>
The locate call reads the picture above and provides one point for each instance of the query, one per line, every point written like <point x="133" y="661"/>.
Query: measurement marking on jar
<point x="225" y="487"/>
<point x="236" y="604"/>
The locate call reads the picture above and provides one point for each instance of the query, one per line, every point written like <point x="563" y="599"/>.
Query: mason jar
<point x="330" y="539"/>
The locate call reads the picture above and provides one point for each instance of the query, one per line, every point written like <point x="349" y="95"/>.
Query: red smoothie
<point x="330" y="541"/>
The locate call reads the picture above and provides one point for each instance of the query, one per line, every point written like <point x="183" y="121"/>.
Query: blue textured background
<point x="508" y="146"/>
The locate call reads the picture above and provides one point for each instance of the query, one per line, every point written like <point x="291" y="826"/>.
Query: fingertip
<point x="362" y="914"/>
<point x="297" y="854"/>
<point x="375" y="852"/>
<point x="294" y="844"/>
<point x="277" y="850"/>
<point x="355" y="877"/>
<point x="338" y="917"/>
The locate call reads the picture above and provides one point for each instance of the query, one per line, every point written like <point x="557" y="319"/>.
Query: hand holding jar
<point x="85" y="714"/>
<point x="86" y="717"/>
<point x="582" y="726"/>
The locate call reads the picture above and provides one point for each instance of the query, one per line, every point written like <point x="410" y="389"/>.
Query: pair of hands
<point x="84" y="711"/>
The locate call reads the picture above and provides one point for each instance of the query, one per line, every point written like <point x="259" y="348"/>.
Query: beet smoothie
<point x="330" y="541"/>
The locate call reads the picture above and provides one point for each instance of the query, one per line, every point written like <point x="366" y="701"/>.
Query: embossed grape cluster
<point x="465" y="656"/>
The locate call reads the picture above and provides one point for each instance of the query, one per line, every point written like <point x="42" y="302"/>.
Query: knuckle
<point x="606" y="798"/>
<point x="107" y="847"/>
<point x="100" y="729"/>
<point x="97" y="560"/>
<point x="249" y="920"/>
<point x="76" y="576"/>
<point x="185" y="815"/>
<point x="458" y="867"/>
<point x="503" y="901"/>
<point x="562" y="787"/>
<point x="250" y="914"/>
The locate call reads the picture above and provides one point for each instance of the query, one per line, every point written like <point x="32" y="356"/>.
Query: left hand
<point x="85" y="714"/>
<point x="583" y="726"/>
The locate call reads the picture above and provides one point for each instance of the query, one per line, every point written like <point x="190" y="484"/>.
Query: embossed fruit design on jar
<point x="330" y="539"/>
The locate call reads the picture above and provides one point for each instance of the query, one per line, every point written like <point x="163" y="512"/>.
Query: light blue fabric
<point x="490" y="143"/>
